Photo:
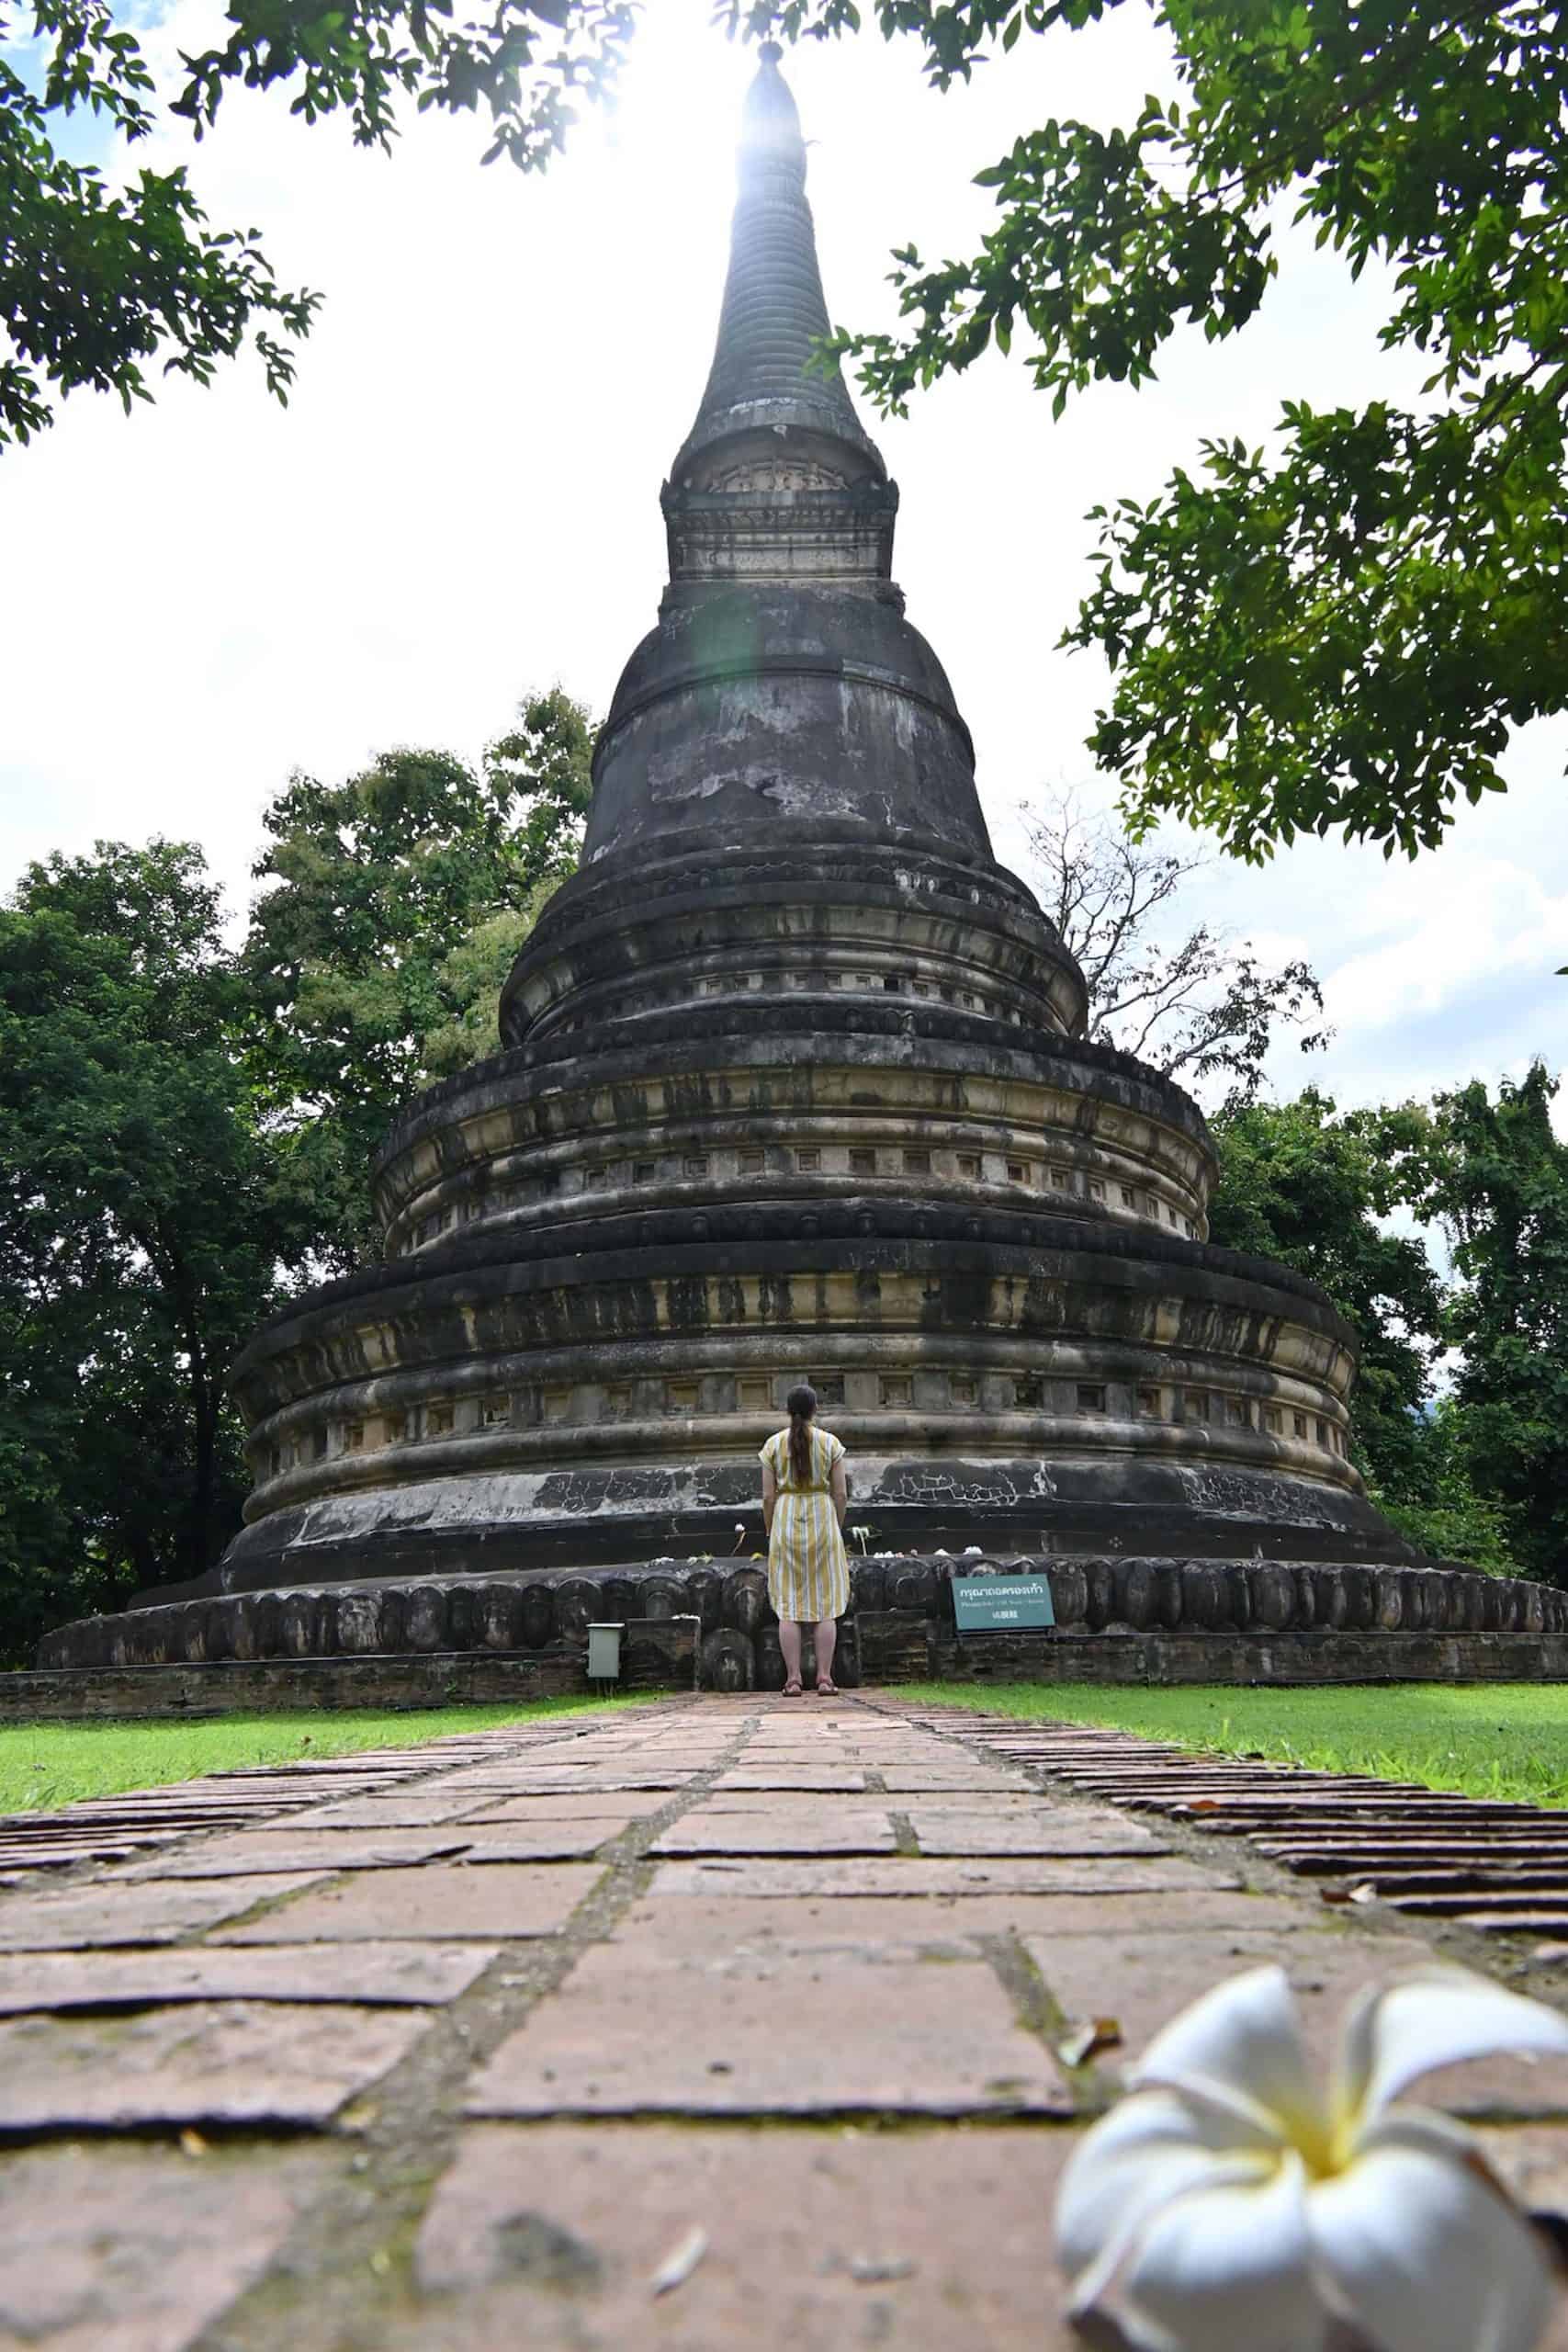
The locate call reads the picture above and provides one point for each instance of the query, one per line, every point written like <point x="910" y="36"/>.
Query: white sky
<point x="461" y="502"/>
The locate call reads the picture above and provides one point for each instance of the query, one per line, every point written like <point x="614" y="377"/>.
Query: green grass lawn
<point x="44" y="1765"/>
<point x="1500" y="1741"/>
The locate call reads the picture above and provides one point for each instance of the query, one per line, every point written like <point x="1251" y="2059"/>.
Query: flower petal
<point x="1437" y="2018"/>
<point x="1224" y="2270"/>
<point x="1424" y="2253"/>
<point x="1152" y="2147"/>
<point x="1241" y="2045"/>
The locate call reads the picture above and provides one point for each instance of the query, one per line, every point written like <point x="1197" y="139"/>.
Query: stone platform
<point x="625" y="2030"/>
<point x="1120" y="1619"/>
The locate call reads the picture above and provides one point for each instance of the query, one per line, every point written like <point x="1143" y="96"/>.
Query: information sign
<point x="1002" y="1604"/>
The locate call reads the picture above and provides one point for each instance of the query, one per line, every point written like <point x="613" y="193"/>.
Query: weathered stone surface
<point x="830" y="1780"/>
<point x="729" y="1660"/>
<point x="1143" y="1980"/>
<point x="235" y="2061"/>
<point x="395" y="1974"/>
<point x="612" y="1811"/>
<point x="783" y="1828"/>
<point x="124" y="1913"/>
<point x="703" y="1923"/>
<point x="137" y="2249"/>
<point x="1060" y="1831"/>
<point x="816" y="2240"/>
<point x="902" y="2037"/>
<point x="1110" y="1875"/>
<point x="308" y="1852"/>
<point x="496" y="1901"/>
<point x="1274" y="1618"/>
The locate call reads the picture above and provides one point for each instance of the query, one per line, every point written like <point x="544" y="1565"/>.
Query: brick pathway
<point x="470" y="2046"/>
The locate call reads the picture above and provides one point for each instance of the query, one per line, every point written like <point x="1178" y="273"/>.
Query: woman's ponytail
<point x="802" y="1404"/>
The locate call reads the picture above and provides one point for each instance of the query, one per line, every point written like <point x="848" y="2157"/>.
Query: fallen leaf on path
<point x="1077" y="2048"/>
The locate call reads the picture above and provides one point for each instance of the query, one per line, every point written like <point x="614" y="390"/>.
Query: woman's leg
<point x="826" y="1642"/>
<point x="789" y="1641"/>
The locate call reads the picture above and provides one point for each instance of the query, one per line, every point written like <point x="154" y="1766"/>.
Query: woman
<point x="804" y="1497"/>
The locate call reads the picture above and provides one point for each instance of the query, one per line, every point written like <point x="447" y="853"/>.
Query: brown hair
<point x="802" y="1404"/>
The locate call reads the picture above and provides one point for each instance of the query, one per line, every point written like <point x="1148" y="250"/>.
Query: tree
<point x="1498" y="1180"/>
<point x="1342" y="630"/>
<point x="100" y="281"/>
<point x="1201" y="1008"/>
<point x="185" y="1131"/>
<point x="398" y="903"/>
<point x="141" y="1235"/>
<point x="1437" y="1503"/>
<point x="1307" y="1184"/>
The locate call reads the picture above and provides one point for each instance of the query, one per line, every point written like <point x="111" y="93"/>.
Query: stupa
<point x="795" y="1085"/>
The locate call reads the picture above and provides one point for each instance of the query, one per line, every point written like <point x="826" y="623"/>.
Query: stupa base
<point x="904" y="1653"/>
<point x="472" y="1639"/>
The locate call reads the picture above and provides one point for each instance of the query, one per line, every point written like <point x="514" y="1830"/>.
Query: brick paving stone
<point x="700" y="1923"/>
<point x="113" y="1912"/>
<point x="402" y="1974"/>
<point x="794" y="1829"/>
<point x="499" y="1900"/>
<point x="1533" y="2162"/>
<point x="210" y="2062"/>
<point x="1144" y="1980"/>
<point x="823" y="1780"/>
<point x="590" y="1806"/>
<point x="823" y="2241"/>
<point x="1096" y="1876"/>
<point x="137" y="2249"/>
<point x="611" y="1784"/>
<point x="788" y="2032"/>
<point x="904" y="1781"/>
<point x="311" y="1851"/>
<point x="694" y="1931"/>
<point x="537" y="1841"/>
<point x="804" y="1803"/>
<point x="387" y="1812"/>
<point x="1499" y="2088"/>
<point x="1037" y="1829"/>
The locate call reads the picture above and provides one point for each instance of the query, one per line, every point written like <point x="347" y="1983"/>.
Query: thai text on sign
<point x="1002" y="1604"/>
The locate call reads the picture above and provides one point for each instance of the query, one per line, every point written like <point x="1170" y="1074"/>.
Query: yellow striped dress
<point x="808" y="1572"/>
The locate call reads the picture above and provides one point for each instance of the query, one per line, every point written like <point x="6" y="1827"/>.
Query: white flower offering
<point x="1233" y="2203"/>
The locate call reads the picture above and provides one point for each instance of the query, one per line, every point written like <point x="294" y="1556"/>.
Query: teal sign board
<point x="1002" y="1604"/>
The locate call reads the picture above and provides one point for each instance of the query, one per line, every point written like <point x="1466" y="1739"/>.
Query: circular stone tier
<point x="893" y="1599"/>
<point x="1049" y="1378"/>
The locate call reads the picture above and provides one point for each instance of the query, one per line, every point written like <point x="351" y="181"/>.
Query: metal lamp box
<point x="605" y="1653"/>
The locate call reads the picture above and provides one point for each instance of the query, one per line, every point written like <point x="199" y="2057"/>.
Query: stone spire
<point x="784" y="697"/>
<point x="774" y="314"/>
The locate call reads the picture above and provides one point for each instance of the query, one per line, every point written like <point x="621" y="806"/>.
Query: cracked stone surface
<point x="466" y="2060"/>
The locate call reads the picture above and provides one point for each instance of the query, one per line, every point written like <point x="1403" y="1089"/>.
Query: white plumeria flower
<point x="1232" y="2203"/>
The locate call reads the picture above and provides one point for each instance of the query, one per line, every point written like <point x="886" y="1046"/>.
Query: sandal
<point x="826" y="1689"/>
<point x="792" y="1687"/>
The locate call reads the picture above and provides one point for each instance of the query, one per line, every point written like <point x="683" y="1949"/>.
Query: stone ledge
<point x="1273" y="1660"/>
<point x="1126" y="1596"/>
<point x="655" y="1656"/>
<point x="878" y="1647"/>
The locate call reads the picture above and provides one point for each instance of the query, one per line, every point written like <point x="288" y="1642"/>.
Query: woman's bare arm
<point x="841" y="1490"/>
<point x="770" y="1496"/>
